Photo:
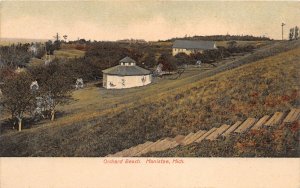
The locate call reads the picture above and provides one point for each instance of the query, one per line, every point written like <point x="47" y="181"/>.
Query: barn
<point x="189" y="46"/>
<point x="126" y="75"/>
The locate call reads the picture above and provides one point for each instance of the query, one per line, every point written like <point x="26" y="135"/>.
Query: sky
<point x="149" y="20"/>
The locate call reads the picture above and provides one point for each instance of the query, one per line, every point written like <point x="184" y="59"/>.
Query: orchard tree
<point x="17" y="98"/>
<point x="15" y="55"/>
<point x="55" y="82"/>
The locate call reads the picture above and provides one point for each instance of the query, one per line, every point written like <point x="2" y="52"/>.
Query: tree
<point x="17" y="98"/>
<point x="55" y="81"/>
<point x="291" y="34"/>
<point x="183" y="58"/>
<point x="168" y="62"/>
<point x="232" y="44"/>
<point x="149" y="60"/>
<point x="15" y="55"/>
<point x="296" y="33"/>
<point x="50" y="47"/>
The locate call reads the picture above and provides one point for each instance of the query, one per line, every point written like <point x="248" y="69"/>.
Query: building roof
<point x="122" y="70"/>
<point x="127" y="60"/>
<point x="197" y="44"/>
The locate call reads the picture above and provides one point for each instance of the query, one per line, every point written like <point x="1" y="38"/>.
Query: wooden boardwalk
<point x="275" y="119"/>
<point x="292" y="116"/>
<point x="245" y="126"/>
<point x="232" y="128"/>
<point x="260" y="122"/>
<point x="218" y="132"/>
<point x="213" y="134"/>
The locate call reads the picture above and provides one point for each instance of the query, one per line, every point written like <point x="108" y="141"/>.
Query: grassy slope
<point x="282" y="141"/>
<point x="251" y="90"/>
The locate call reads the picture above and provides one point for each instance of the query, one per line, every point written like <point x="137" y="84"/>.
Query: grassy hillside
<point x="68" y="53"/>
<point x="262" y="87"/>
<point x="282" y="141"/>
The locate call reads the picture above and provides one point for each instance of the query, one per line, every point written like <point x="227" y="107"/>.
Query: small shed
<point x="126" y="75"/>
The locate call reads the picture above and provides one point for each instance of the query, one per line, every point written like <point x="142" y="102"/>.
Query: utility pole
<point x="283" y="24"/>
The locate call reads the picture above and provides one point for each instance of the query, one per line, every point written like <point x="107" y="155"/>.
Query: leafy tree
<point x="231" y="44"/>
<point x="50" y="47"/>
<point x="17" y="98"/>
<point x="55" y="81"/>
<point x="149" y="60"/>
<point x="15" y="55"/>
<point x="291" y="34"/>
<point x="183" y="58"/>
<point x="296" y="34"/>
<point x="168" y="62"/>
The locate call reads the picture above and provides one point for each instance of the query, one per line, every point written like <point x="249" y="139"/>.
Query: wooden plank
<point x="206" y="134"/>
<point x="136" y="149"/>
<point x="232" y="128"/>
<point x="178" y="138"/>
<point x="144" y="150"/>
<point x="172" y="143"/>
<point x="194" y="137"/>
<point x="260" y="122"/>
<point x="218" y="132"/>
<point x="150" y="148"/>
<point x="163" y="145"/>
<point x="288" y="117"/>
<point x="187" y="137"/>
<point x="275" y="119"/>
<point x="245" y="126"/>
<point x="296" y="116"/>
<point x="292" y="116"/>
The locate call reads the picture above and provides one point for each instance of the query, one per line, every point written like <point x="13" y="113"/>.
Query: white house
<point x="126" y="75"/>
<point x="192" y="46"/>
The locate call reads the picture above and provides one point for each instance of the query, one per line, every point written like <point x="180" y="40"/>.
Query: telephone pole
<point x="283" y="24"/>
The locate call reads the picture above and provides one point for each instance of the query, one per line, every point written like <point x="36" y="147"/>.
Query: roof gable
<point x="127" y="60"/>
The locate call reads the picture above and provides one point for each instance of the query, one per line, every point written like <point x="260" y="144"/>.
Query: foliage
<point x="17" y="97"/>
<point x="168" y="62"/>
<point x="294" y="33"/>
<point x="15" y="55"/>
<point x="55" y="81"/>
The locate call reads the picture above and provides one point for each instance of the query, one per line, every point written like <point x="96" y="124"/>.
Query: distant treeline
<point x="222" y="38"/>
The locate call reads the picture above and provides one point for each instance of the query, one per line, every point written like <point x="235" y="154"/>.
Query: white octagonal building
<point x="126" y="75"/>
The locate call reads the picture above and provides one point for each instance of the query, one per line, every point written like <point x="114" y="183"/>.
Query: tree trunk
<point x="20" y="123"/>
<point x="52" y="115"/>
